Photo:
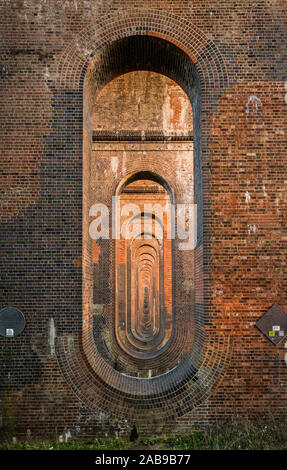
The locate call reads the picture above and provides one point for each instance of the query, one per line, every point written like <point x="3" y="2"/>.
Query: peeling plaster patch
<point x="124" y="161"/>
<point x="68" y="436"/>
<point x="47" y="77"/>
<point x="183" y="178"/>
<point x="183" y="111"/>
<point x="4" y="71"/>
<point x="83" y="50"/>
<point x="47" y="74"/>
<point x="69" y="3"/>
<point x="114" y="164"/>
<point x="251" y="228"/>
<point x="247" y="197"/>
<point x="264" y="191"/>
<point x="51" y="335"/>
<point x="88" y="122"/>
<point x="253" y="106"/>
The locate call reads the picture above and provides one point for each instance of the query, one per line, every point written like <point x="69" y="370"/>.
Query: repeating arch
<point x="191" y="382"/>
<point x="75" y="58"/>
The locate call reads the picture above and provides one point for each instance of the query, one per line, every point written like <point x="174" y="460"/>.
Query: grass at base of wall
<point x="102" y="443"/>
<point x="228" y="437"/>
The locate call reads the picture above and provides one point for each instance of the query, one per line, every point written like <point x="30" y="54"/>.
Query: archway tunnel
<point x="141" y="146"/>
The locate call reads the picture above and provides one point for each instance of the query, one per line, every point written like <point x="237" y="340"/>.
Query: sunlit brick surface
<point x="57" y="59"/>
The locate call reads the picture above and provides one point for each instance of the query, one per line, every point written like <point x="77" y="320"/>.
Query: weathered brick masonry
<point x="153" y="101"/>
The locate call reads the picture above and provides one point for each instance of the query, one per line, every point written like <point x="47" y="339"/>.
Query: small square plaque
<point x="9" y="332"/>
<point x="273" y="324"/>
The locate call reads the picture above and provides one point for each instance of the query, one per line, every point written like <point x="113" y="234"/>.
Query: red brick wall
<point x="142" y="101"/>
<point x="238" y="51"/>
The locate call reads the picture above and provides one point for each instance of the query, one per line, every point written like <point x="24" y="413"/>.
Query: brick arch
<point x="187" y="385"/>
<point x="74" y="60"/>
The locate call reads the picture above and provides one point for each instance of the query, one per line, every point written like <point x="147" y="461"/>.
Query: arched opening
<point x="141" y="114"/>
<point x="144" y="267"/>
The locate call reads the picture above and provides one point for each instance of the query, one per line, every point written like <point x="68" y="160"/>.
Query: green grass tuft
<point x="220" y="437"/>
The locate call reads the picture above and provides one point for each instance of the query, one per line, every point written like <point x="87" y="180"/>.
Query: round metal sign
<point x="12" y="322"/>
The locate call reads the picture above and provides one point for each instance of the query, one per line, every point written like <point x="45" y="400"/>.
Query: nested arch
<point x="191" y="379"/>
<point x="144" y="268"/>
<point x="169" y="308"/>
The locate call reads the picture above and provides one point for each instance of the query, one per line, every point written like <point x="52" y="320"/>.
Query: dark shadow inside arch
<point x="145" y="53"/>
<point x="144" y="324"/>
<point x="147" y="175"/>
